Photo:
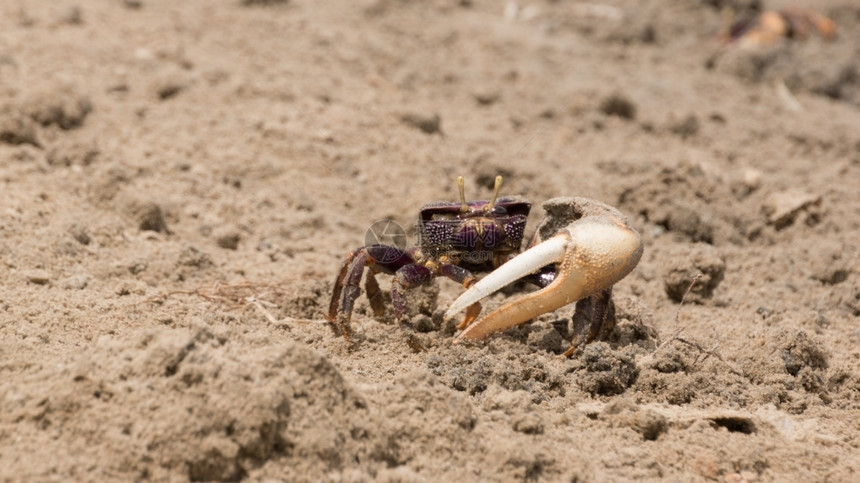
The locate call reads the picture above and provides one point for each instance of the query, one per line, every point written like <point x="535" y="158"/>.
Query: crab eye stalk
<point x="496" y="188"/>
<point x="461" y="184"/>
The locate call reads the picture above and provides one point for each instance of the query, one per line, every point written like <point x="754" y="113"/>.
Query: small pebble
<point x="151" y="218"/>
<point x="428" y="122"/>
<point x="486" y="97"/>
<point x="783" y="208"/>
<point x="528" y="423"/>
<point x="72" y="16"/>
<point x="424" y="324"/>
<point x="764" y="312"/>
<point x="129" y="287"/>
<point x="686" y="127"/>
<point x="39" y="277"/>
<point x="229" y="241"/>
<point x="79" y="233"/>
<point x="619" y="105"/>
<point x="752" y="178"/>
<point x="76" y="282"/>
<point x="17" y="128"/>
<point x="168" y="88"/>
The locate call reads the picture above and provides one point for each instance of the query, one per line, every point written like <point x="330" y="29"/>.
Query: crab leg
<point x="591" y="255"/>
<point x="379" y="259"/>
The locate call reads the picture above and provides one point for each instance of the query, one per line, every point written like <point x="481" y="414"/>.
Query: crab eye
<point x="498" y="210"/>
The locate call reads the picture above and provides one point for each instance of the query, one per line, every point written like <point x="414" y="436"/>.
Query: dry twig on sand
<point x="678" y="332"/>
<point x="240" y="295"/>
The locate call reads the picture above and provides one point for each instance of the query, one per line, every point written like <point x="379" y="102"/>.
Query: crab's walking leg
<point x="590" y="255"/>
<point x="338" y="286"/>
<point x="406" y="277"/>
<point x="466" y="279"/>
<point x="379" y="258"/>
<point x="414" y="275"/>
<point x="374" y="294"/>
<point x="594" y="318"/>
<point x="350" y="277"/>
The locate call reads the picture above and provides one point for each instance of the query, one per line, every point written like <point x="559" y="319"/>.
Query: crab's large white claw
<point x="591" y="254"/>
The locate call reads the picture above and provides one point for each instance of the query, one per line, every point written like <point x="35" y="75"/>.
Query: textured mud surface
<point x="180" y="181"/>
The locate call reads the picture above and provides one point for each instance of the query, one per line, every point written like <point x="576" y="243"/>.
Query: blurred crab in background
<point x="579" y="251"/>
<point x="769" y="26"/>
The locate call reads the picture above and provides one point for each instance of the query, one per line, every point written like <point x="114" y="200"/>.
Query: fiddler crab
<point x="579" y="251"/>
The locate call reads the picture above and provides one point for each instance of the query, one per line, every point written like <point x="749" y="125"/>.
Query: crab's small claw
<point x="590" y="254"/>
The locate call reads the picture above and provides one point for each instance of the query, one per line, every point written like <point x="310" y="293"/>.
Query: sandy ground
<point x="181" y="181"/>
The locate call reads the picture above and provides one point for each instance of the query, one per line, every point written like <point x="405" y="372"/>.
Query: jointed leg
<point x="338" y="286"/>
<point x="374" y="294"/>
<point x="594" y="319"/>
<point x="351" y="278"/>
<point x="466" y="279"/>
<point x="379" y="258"/>
<point x="408" y="276"/>
<point x="543" y="277"/>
